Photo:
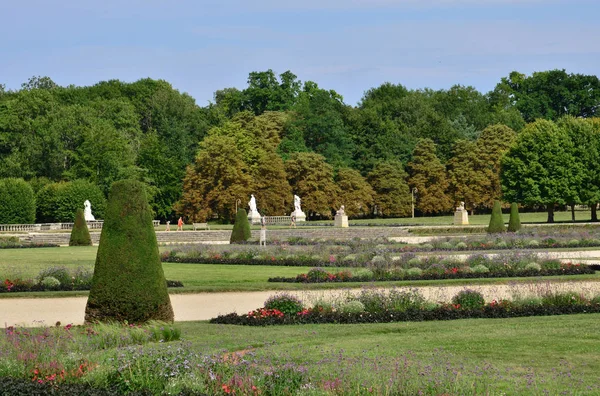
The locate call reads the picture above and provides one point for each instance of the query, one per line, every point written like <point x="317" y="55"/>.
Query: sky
<point x="350" y="46"/>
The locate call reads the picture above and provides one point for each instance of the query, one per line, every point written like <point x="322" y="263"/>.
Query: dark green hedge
<point x="30" y="286"/>
<point x="58" y="202"/>
<point x="17" y="202"/>
<point x="446" y="312"/>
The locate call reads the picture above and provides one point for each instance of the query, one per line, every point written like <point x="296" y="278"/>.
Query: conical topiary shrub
<point x="129" y="282"/>
<point x="80" y="235"/>
<point x="241" y="227"/>
<point x="496" y="221"/>
<point x="514" y="222"/>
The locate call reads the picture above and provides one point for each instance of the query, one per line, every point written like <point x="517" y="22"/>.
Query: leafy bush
<point x="573" y="242"/>
<point x="50" y="282"/>
<point x="514" y="221"/>
<point x="496" y="222"/>
<point x="129" y="283"/>
<point x="317" y="275"/>
<point x="533" y="267"/>
<point x="401" y="300"/>
<point x="17" y="202"/>
<point x="533" y="243"/>
<point x="480" y="269"/>
<point x="414" y="271"/>
<point x="60" y="273"/>
<point x="551" y="265"/>
<point x="241" y="227"/>
<point x="469" y="299"/>
<point x="563" y="299"/>
<point x="80" y="235"/>
<point x="285" y="303"/>
<point x="58" y="202"/>
<point x="352" y="306"/>
<point x="461" y="245"/>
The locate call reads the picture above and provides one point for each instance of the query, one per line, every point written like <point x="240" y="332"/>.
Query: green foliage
<point x="17" y="202"/>
<point x="241" y="227"/>
<point x="496" y="221"/>
<point x="129" y="282"/>
<point x="392" y="195"/>
<point x="428" y="176"/>
<point x="514" y="222"/>
<point x="541" y="168"/>
<point x="58" y="202"/>
<point x="355" y="193"/>
<point x="80" y="235"/>
<point x="284" y="302"/>
<point x="469" y="299"/>
<point x="311" y="178"/>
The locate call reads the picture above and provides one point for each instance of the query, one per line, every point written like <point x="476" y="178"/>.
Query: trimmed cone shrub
<point x="241" y="227"/>
<point x="80" y="235"/>
<point x="17" y="202"/>
<point x="514" y="222"/>
<point x="496" y="222"/>
<point x="129" y="282"/>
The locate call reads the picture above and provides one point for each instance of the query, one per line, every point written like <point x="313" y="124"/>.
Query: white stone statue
<point x="461" y="207"/>
<point x="87" y="211"/>
<point x="341" y="211"/>
<point x="252" y="204"/>
<point x="297" y="204"/>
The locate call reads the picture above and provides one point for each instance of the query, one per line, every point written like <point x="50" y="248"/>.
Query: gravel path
<point x="203" y="306"/>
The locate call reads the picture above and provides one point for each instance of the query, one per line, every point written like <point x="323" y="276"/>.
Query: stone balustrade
<point x="270" y="220"/>
<point x="92" y="225"/>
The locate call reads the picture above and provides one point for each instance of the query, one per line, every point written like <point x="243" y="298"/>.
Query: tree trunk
<point x="594" y="212"/>
<point x="573" y="213"/>
<point x="550" y="213"/>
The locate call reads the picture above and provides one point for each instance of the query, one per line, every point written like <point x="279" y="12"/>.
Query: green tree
<point x="354" y="192"/>
<point x="585" y="135"/>
<point x="241" y="227"/>
<point x="311" y="178"/>
<point x="428" y="176"/>
<point x="80" y="235"/>
<point x="129" y="283"/>
<point x="541" y="169"/>
<point x="465" y="176"/>
<point x="392" y="194"/>
<point x="496" y="222"/>
<point x="17" y="202"/>
<point x="550" y="94"/>
<point x="216" y="180"/>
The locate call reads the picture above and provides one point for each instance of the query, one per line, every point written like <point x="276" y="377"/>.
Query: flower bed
<point x="317" y="275"/>
<point x="56" y="279"/>
<point x="374" y="307"/>
<point x="16" y="243"/>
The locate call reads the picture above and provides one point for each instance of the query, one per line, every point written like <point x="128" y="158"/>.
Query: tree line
<point x="280" y="136"/>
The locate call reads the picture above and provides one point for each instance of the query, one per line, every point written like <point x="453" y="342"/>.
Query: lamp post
<point x="412" y="200"/>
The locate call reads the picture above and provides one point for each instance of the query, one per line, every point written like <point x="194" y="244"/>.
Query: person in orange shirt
<point x="180" y="224"/>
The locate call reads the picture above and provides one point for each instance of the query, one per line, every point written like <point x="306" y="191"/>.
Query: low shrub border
<point x="21" y="285"/>
<point x="316" y="276"/>
<point x="502" y="309"/>
<point x="27" y="245"/>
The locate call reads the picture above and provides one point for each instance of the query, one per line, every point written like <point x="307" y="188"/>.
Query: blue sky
<point x="345" y="45"/>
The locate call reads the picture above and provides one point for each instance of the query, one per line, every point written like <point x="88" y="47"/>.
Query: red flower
<point x="226" y="388"/>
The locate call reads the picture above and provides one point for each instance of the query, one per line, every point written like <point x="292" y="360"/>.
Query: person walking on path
<point x="293" y="223"/>
<point x="180" y="224"/>
<point x="168" y="228"/>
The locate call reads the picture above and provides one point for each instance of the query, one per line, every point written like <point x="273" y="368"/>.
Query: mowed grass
<point x="536" y="345"/>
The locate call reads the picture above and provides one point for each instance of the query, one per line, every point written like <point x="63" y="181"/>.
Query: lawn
<point x="533" y="356"/>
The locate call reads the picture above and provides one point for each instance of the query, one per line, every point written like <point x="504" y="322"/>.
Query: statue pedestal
<point x="341" y="221"/>
<point x="300" y="216"/>
<point x="254" y="217"/>
<point x="461" y="217"/>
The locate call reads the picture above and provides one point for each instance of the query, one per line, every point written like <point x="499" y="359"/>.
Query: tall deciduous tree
<point x="550" y="94"/>
<point x="428" y="176"/>
<point x="216" y="180"/>
<point x="311" y="178"/>
<point x="541" y="168"/>
<point x="467" y="181"/>
<point x="354" y="192"/>
<point x="585" y="135"/>
<point x="392" y="194"/>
